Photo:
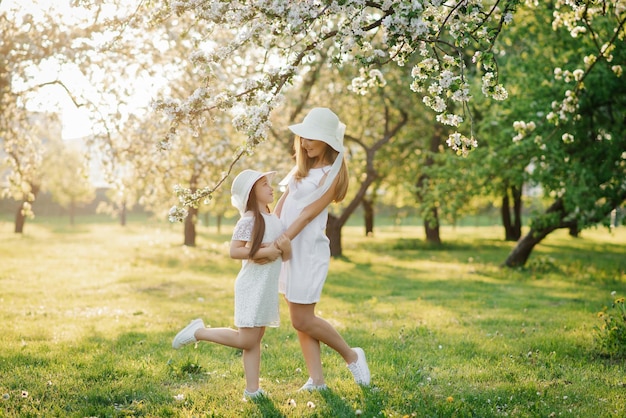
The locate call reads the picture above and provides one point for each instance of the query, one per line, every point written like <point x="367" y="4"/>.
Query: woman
<point x="319" y="178"/>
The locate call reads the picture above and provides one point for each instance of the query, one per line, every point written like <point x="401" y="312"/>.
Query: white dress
<point x="302" y="277"/>
<point x="256" y="286"/>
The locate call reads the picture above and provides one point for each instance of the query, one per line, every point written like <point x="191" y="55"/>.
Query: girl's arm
<point x="310" y="212"/>
<point x="239" y="251"/>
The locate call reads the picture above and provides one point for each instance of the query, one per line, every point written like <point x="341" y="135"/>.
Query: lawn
<point x="88" y="314"/>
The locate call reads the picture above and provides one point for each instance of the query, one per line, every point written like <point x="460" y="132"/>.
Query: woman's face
<point x="313" y="148"/>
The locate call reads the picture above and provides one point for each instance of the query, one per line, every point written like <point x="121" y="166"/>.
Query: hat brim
<point x="304" y="131"/>
<point x="250" y="185"/>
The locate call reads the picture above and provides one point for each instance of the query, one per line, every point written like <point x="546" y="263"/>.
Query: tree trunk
<point x="520" y="254"/>
<point x="431" y="228"/>
<point x="20" y="220"/>
<point x="517" y="212"/>
<point x="218" y="222"/>
<point x="431" y="220"/>
<point x="190" y="227"/>
<point x="505" y="213"/>
<point x="368" y="214"/>
<point x="123" y="214"/>
<point x="72" y="212"/>
<point x="512" y="224"/>
<point x="333" y="232"/>
<point x="573" y="231"/>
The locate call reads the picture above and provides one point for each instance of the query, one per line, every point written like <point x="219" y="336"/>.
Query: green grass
<point x="88" y="314"/>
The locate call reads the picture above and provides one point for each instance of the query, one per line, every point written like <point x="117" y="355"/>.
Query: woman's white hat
<point x="323" y="125"/>
<point x="242" y="185"/>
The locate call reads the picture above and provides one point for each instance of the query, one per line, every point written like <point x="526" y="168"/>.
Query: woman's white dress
<point x="256" y="286"/>
<point x="302" y="277"/>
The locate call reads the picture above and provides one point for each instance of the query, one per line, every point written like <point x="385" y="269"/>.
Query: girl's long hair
<point x="304" y="164"/>
<point x="258" y="230"/>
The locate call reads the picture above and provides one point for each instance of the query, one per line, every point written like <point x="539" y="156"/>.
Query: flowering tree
<point x="22" y="131"/>
<point x="371" y="34"/>
<point x="66" y="176"/>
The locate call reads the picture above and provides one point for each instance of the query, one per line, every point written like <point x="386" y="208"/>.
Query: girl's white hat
<point x="323" y="125"/>
<point x="242" y="185"/>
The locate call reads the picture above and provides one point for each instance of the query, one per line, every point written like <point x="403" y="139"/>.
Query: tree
<point x="579" y="159"/>
<point x="23" y="131"/>
<point x="66" y="176"/>
<point x="39" y="44"/>
<point x="290" y="34"/>
<point x="24" y="152"/>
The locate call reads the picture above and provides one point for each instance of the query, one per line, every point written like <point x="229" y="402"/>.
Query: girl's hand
<point x="283" y="243"/>
<point x="267" y="253"/>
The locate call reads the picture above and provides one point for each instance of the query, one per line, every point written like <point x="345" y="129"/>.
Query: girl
<point x="257" y="235"/>
<point x="319" y="178"/>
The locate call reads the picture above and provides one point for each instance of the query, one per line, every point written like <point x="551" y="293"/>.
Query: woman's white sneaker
<point x="359" y="368"/>
<point x="309" y="386"/>
<point x="186" y="336"/>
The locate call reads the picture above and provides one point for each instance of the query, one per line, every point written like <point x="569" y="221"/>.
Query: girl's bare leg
<point x="246" y="339"/>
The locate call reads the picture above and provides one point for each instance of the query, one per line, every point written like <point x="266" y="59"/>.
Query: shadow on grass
<point x="267" y="407"/>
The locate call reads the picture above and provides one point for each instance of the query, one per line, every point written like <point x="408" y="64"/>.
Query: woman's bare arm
<point x="311" y="211"/>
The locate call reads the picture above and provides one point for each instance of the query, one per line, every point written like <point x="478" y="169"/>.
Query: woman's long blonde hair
<point x="304" y="164"/>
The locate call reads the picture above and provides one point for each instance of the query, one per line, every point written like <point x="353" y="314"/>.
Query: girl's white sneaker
<point x="257" y="394"/>
<point x="186" y="335"/>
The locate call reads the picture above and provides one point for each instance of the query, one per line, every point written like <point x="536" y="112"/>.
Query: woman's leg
<point x="246" y="339"/>
<point x="315" y="329"/>
<point x="312" y="356"/>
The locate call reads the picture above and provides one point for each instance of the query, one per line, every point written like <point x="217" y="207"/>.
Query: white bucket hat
<point x="242" y="185"/>
<point x="323" y="125"/>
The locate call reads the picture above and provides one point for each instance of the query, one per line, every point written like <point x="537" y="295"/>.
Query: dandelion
<point x="358" y="412"/>
<point x="449" y="399"/>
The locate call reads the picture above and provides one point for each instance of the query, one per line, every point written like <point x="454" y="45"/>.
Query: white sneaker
<point x="253" y="395"/>
<point x="359" y="368"/>
<point x="186" y="336"/>
<point x="309" y="386"/>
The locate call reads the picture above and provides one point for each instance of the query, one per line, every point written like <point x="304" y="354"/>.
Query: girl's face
<point x="264" y="192"/>
<point x="314" y="149"/>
